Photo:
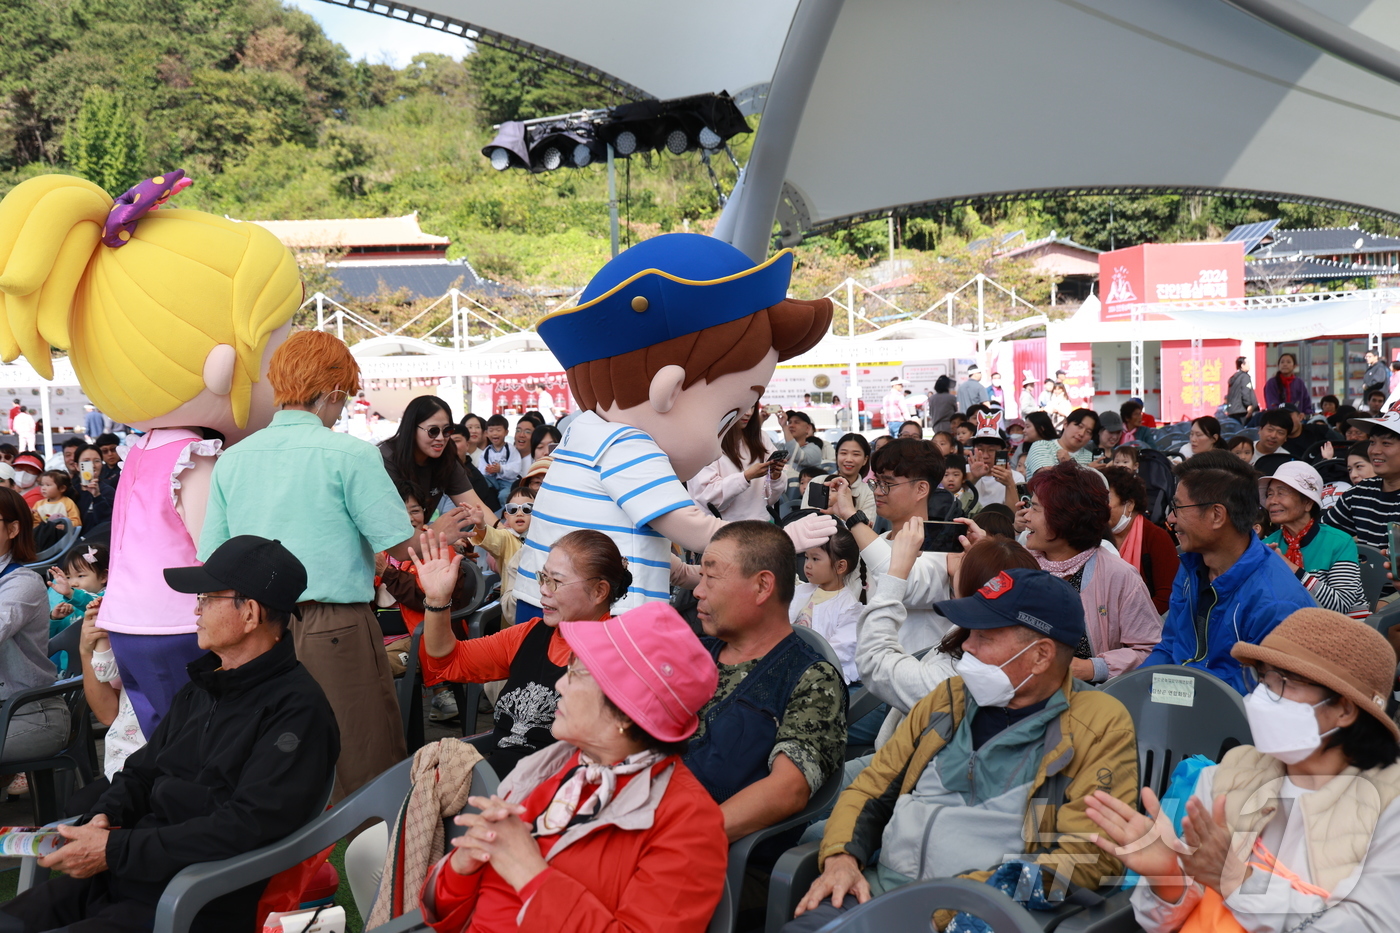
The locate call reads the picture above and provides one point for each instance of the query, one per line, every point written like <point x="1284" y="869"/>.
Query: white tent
<point x="872" y="106"/>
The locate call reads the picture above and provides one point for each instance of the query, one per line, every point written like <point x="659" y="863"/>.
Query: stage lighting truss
<point x="705" y="122"/>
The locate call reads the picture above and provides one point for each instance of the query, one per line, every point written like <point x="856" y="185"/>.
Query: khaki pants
<point x="342" y="646"/>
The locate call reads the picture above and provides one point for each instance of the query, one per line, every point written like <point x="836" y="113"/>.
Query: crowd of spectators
<point x="985" y="576"/>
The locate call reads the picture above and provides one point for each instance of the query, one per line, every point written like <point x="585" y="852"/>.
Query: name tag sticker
<point x="1174" y="689"/>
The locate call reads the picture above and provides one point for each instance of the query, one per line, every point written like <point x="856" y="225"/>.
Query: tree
<point x="513" y="87"/>
<point x="104" y="144"/>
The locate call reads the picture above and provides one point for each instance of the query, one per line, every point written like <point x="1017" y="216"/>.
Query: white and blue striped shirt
<point x="614" y="479"/>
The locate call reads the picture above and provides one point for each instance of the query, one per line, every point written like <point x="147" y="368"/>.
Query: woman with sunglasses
<point x="1299" y="830"/>
<point x="581" y="579"/>
<point x="418" y="457"/>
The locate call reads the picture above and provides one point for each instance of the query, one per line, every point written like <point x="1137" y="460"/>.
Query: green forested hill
<point x="274" y="121"/>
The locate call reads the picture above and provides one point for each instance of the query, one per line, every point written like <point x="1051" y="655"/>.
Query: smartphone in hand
<point x="1000" y="458"/>
<point x="943" y="537"/>
<point x="818" y="496"/>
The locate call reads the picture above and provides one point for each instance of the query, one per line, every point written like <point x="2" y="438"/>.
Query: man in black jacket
<point x="245" y="755"/>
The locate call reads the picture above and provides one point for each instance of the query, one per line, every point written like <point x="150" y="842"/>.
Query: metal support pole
<point x="320" y="311"/>
<point x="612" y="198"/>
<point x="891" y="219"/>
<point x="47" y="414"/>
<point x="456" y="321"/>
<point x="853" y="387"/>
<point x="950" y="310"/>
<point x="981" y="313"/>
<point x="807" y="38"/>
<point x="1136" y="377"/>
<point x="340" y="324"/>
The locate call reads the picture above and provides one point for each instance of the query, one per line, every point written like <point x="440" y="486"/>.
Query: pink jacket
<point x="1123" y="624"/>
<point x="722" y="484"/>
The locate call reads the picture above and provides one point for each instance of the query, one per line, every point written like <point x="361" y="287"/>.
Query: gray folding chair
<point x="381" y="799"/>
<point x="52" y="776"/>
<point x="1373" y="578"/>
<point x="1384" y="618"/>
<point x="1179" y="712"/>
<point x="911" y="907"/>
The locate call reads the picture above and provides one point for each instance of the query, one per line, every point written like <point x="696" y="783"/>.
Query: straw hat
<point x="538" y="468"/>
<point x="1345" y="656"/>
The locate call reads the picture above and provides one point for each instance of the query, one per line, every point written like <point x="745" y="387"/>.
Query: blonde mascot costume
<point x="170" y="318"/>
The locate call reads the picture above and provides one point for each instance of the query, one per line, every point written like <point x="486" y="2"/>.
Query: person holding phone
<point x="1066" y="523"/>
<point x="747" y="477"/>
<point x="906" y="486"/>
<point x="988" y="469"/>
<point x="852" y="459"/>
<point x="804" y="448"/>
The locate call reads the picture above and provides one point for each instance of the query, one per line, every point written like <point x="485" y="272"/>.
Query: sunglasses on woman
<point x="519" y="508"/>
<point x="434" y="432"/>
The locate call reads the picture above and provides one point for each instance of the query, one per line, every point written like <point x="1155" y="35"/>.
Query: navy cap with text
<point x="1043" y="603"/>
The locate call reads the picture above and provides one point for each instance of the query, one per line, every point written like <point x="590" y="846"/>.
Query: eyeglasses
<point x="1175" y="506"/>
<point x="434" y="432"/>
<point x="550" y="584"/>
<point x="1276" y="681"/>
<point x="881" y="487"/>
<point x="573" y="670"/>
<point x="201" y="598"/>
<point x="518" y="508"/>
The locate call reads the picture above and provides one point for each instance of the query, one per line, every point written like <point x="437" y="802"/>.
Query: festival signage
<point x="1167" y="272"/>
<point x="512" y="392"/>
<point x="1196" y="379"/>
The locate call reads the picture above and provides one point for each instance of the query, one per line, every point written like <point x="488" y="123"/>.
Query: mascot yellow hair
<point x="139" y="320"/>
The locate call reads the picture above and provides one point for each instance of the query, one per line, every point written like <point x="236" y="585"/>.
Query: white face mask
<point x="1281" y="727"/>
<point x="24" y="479"/>
<point x="988" y="683"/>
<point x="1122" y="524"/>
<point x="1017" y="438"/>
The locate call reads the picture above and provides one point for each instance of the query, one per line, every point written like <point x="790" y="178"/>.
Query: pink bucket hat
<point x="651" y="665"/>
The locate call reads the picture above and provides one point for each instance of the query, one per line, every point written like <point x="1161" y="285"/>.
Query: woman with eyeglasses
<point x="1299" y="830"/>
<point x="582" y="577"/>
<point x="417" y="457"/>
<point x="607" y="829"/>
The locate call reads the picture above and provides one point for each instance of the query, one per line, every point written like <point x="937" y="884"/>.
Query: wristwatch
<point x="856" y="519"/>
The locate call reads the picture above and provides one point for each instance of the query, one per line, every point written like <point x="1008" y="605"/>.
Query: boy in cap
<point x="1001" y="756"/>
<point x="1366" y="510"/>
<point x="671" y="341"/>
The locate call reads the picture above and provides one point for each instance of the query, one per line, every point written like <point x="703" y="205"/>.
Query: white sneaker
<point x="444" y="707"/>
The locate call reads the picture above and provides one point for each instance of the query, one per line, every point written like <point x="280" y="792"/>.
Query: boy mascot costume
<point x="170" y="318"/>
<point x="670" y="342"/>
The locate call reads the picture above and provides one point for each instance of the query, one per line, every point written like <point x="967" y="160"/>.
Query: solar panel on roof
<point x="1251" y="234"/>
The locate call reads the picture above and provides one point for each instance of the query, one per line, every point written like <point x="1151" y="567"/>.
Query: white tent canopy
<point x="871" y="106"/>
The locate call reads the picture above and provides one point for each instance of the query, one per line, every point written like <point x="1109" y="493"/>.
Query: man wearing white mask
<point x="1009" y="747"/>
<point x="1312" y="798"/>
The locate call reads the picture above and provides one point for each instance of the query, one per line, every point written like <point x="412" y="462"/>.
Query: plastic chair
<point x="1384" y="618"/>
<point x="77" y="755"/>
<point x="483" y="621"/>
<point x="1373" y="578"/>
<point x="1206" y="718"/>
<point x="52" y="553"/>
<point x="381" y="798"/>
<point x="911" y="907"/>
<point x="410" y="689"/>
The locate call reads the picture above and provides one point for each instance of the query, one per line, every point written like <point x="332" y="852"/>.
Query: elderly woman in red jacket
<point x="607" y="827"/>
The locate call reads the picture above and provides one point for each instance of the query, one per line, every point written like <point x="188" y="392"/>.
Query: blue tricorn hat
<point x="665" y="287"/>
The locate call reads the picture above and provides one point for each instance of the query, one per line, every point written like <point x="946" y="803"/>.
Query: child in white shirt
<point x="827" y="602"/>
<point x="106" y="696"/>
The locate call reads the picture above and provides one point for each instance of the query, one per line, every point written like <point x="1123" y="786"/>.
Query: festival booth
<point x="1130" y="341"/>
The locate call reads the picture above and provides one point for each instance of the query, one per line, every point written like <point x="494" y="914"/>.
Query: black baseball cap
<point x="1043" y="603"/>
<point x="255" y="567"/>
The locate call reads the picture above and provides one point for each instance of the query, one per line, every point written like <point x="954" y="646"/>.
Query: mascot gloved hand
<point x="670" y="342"/>
<point x="170" y="317"/>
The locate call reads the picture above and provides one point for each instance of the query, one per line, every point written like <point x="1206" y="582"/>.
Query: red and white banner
<point x="513" y="391"/>
<point x="1158" y="272"/>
